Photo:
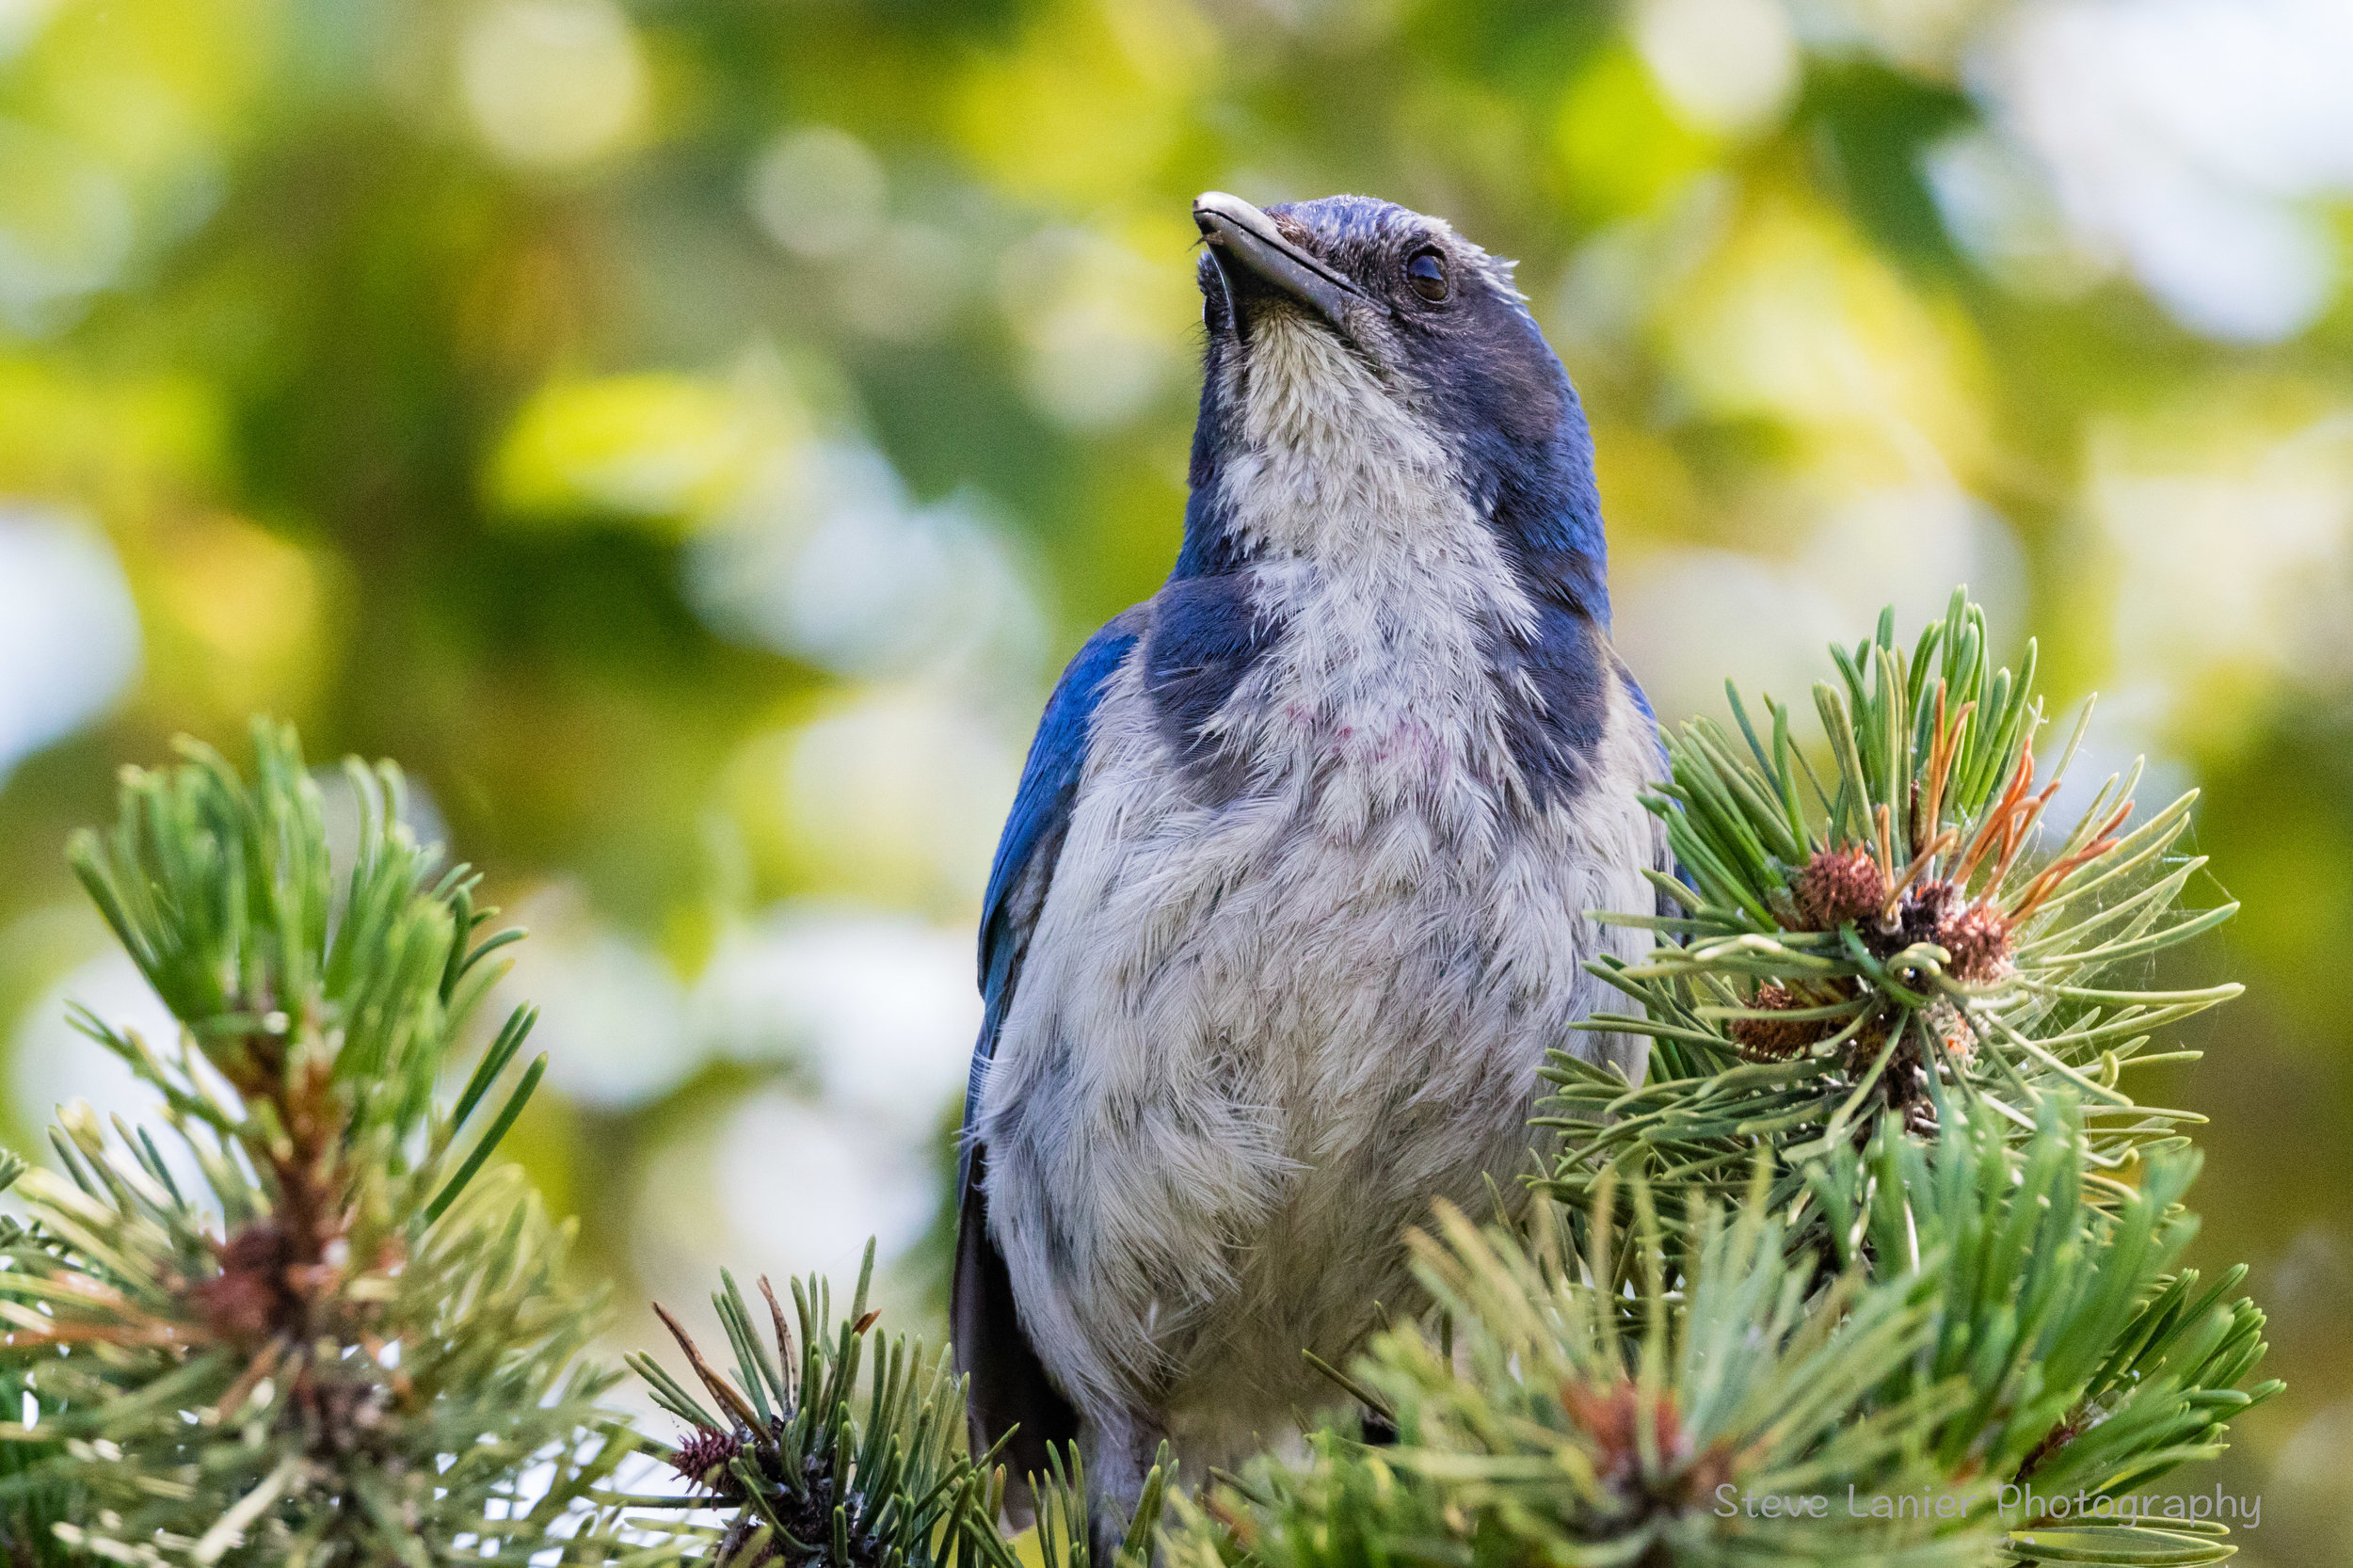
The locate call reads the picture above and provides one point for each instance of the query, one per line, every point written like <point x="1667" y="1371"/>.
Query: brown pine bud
<point x="1775" y="1039"/>
<point x="703" y="1458"/>
<point x="1978" y="936"/>
<point x="250" y="1299"/>
<point x="1839" y="885"/>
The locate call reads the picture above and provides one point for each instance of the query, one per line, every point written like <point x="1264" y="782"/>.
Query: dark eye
<point x="1425" y="274"/>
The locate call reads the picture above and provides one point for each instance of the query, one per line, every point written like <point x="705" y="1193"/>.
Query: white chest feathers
<point x="1252" y="1042"/>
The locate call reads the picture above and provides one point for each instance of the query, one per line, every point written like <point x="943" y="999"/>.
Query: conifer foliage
<point x="296" y="1321"/>
<point x="791" y="1464"/>
<point x="1879" y="1263"/>
<point x="795" y="1471"/>
<point x="1856" y="945"/>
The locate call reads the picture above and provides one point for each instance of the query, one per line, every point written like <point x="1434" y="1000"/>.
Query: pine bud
<point x="1839" y="885"/>
<point x="1775" y="1039"/>
<point x="1978" y="936"/>
<point x="703" y="1459"/>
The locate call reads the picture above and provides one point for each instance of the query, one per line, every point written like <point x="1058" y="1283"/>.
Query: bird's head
<point x="1359" y="351"/>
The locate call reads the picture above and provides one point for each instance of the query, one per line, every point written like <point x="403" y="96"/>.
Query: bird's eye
<point x="1425" y="274"/>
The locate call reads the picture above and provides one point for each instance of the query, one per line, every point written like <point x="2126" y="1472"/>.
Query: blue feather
<point x="1011" y="1395"/>
<point x="1040" y="817"/>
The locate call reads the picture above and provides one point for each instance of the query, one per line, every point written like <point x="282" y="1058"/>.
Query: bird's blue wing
<point x="1034" y="830"/>
<point x="1009" y="1386"/>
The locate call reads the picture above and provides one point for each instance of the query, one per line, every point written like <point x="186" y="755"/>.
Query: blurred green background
<point x="689" y="435"/>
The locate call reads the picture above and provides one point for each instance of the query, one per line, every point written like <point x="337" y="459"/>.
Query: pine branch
<point x="1584" y="1426"/>
<point x="782" y="1457"/>
<point x="1871" y="946"/>
<point x="2091" y="1367"/>
<point x="351" y="1341"/>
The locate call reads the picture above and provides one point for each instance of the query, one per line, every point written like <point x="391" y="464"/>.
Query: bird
<point x="1301" y="877"/>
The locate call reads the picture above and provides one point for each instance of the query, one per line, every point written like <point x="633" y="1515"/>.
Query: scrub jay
<point x="1301" y="877"/>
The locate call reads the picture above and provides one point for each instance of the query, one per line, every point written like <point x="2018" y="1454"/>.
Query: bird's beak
<point x="1249" y="249"/>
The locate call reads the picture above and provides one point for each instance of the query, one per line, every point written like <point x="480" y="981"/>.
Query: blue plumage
<point x="1010" y="1380"/>
<point x="1034" y="829"/>
<point x="1207" y="637"/>
<point x="1299" y="883"/>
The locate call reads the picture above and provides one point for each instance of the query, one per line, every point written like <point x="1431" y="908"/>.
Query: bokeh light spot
<point x="553" y="83"/>
<point x="68" y="633"/>
<point x="652" y="446"/>
<point x="818" y="192"/>
<point x="65" y="227"/>
<point x="1726" y="65"/>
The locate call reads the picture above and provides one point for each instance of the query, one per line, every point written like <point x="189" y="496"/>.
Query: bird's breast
<point x="1256" y="1035"/>
<point x="1343" y="690"/>
<point x="1377" y="911"/>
